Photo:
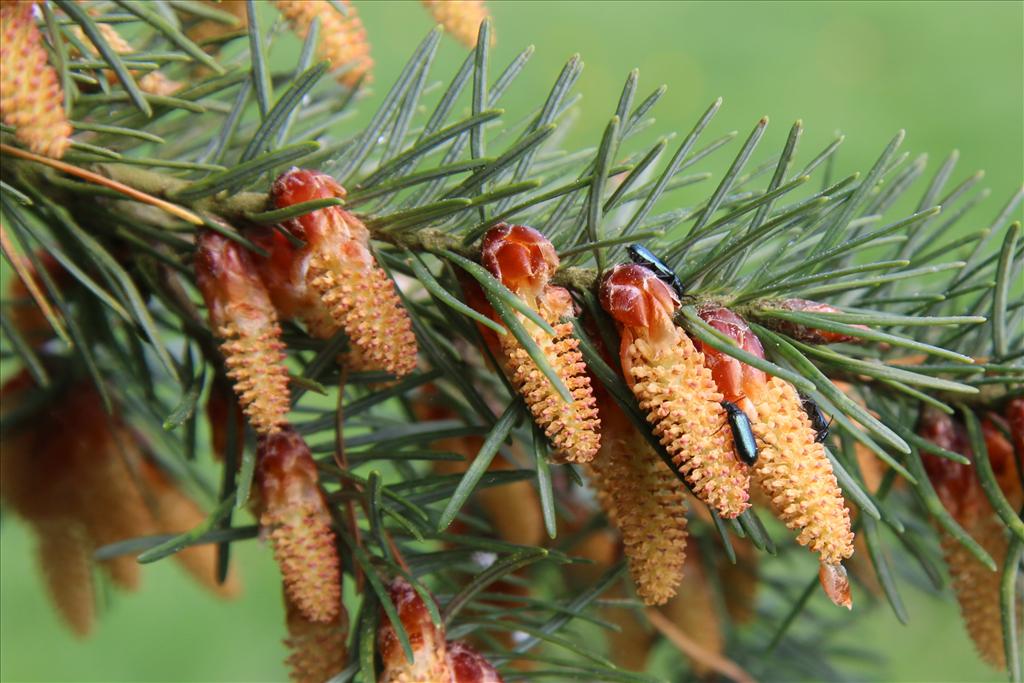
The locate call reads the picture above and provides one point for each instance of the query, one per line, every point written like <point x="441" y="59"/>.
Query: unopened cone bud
<point x="460" y="18"/>
<point x="335" y="281"/>
<point x="524" y="261"/>
<point x="806" y="333"/>
<point x="295" y="518"/>
<point x="469" y="666"/>
<point x="675" y="389"/>
<point x="242" y="315"/>
<point x="342" y="39"/>
<point x="427" y="640"/>
<point x="31" y="98"/>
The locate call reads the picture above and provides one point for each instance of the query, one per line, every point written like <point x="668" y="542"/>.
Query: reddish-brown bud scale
<point x="469" y="666"/>
<point x="954" y="482"/>
<point x="736" y="380"/>
<point x="675" y="389"/>
<point x="524" y="261"/>
<point x="342" y="40"/>
<point x="809" y="335"/>
<point x="1015" y="420"/>
<point x="316" y="650"/>
<point x="31" y="98"/>
<point x="460" y="18"/>
<point x="522" y="258"/>
<point x="334" y="282"/>
<point x="221" y="410"/>
<point x="427" y="640"/>
<point x="295" y="518"/>
<point x="1006" y="463"/>
<point x="242" y="315"/>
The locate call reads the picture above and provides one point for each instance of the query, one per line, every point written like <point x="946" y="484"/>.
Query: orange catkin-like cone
<point x="644" y="500"/>
<point x="295" y="518"/>
<point x="514" y="508"/>
<point x="674" y="388"/>
<point x="695" y="612"/>
<point x="65" y="555"/>
<point x="335" y="280"/>
<point x="152" y="82"/>
<point x="428" y="641"/>
<point x="31" y="99"/>
<point x="176" y="513"/>
<point x="524" y="261"/>
<point x="66" y="471"/>
<point x="342" y="39"/>
<point x="977" y="588"/>
<point x="316" y="649"/>
<point x="796" y="474"/>
<point x="460" y="18"/>
<point x="242" y="315"/>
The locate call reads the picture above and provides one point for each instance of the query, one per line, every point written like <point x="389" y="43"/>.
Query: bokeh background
<point x="950" y="73"/>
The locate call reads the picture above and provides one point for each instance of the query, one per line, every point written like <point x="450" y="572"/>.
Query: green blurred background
<point x="951" y="73"/>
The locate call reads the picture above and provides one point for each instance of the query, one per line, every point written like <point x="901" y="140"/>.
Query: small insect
<point x="642" y="256"/>
<point x="742" y="433"/>
<point x="817" y="418"/>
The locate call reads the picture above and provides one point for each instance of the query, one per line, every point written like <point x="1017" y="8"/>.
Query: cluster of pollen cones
<point x="685" y="391"/>
<point x="332" y="283"/>
<point x="82" y="479"/>
<point x="32" y="100"/>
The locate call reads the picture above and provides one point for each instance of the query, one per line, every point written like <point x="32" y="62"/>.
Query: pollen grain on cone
<point x="31" y="97"/>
